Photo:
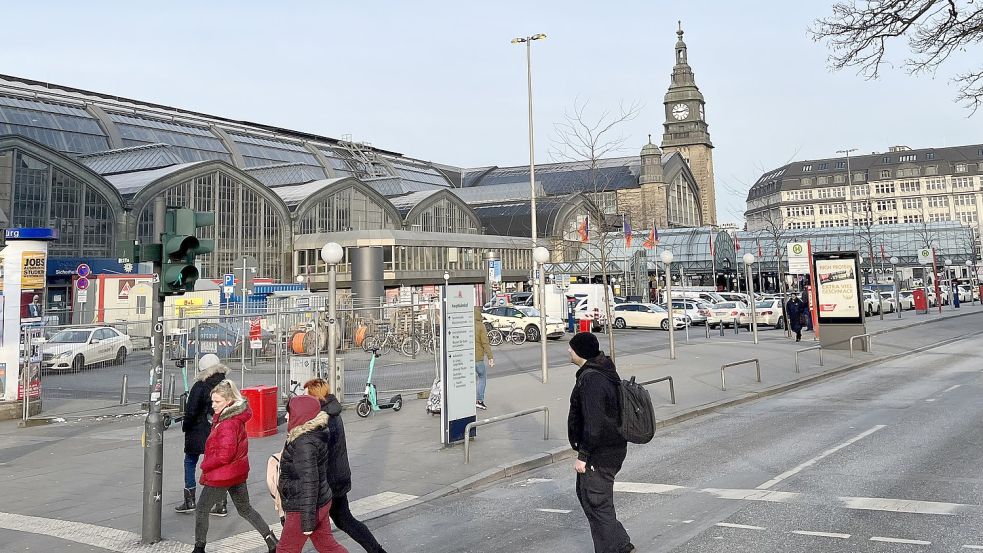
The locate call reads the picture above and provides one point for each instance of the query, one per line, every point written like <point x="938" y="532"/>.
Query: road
<point x="884" y="459"/>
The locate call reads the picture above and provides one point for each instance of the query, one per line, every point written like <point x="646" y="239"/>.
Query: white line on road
<point x="973" y="547"/>
<point x="102" y="537"/>
<point x="950" y="388"/>
<point x="818" y="458"/>
<point x="754" y="495"/>
<point x="644" y="487"/>
<point x="902" y="505"/>
<point x="822" y="534"/>
<point x="738" y="526"/>
<point x="900" y="540"/>
<point x="930" y="400"/>
<point x="557" y="511"/>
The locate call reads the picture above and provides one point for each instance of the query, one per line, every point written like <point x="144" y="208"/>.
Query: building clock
<point x="680" y="111"/>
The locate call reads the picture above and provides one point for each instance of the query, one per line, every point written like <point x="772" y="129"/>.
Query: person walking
<point x="806" y="311"/>
<point x="226" y="465"/>
<point x="338" y="469"/>
<point x="482" y="349"/>
<point x="304" y="487"/>
<point x="197" y="424"/>
<point x="593" y="431"/>
<point x="794" y="310"/>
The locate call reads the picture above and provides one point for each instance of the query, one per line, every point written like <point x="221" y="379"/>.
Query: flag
<point x="627" y="229"/>
<point x="883" y="254"/>
<point x="713" y="250"/>
<point x="760" y="255"/>
<point x="584" y="230"/>
<point x="653" y="238"/>
<point x="737" y="243"/>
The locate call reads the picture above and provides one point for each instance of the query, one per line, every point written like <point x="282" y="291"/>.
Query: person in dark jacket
<point x="226" y="465"/>
<point x="305" y="492"/>
<point x="593" y="431"/>
<point x="794" y="310"/>
<point x="197" y="424"/>
<point x="338" y="469"/>
<point x="807" y="314"/>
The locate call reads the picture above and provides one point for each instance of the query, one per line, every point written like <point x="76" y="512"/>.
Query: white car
<point x="724" y="313"/>
<point x="770" y="313"/>
<point x="645" y="315"/>
<point x="966" y="293"/>
<point x="526" y="319"/>
<point x="77" y="348"/>
<point x="907" y="300"/>
<point x="696" y="310"/>
<point x="872" y="306"/>
<point x="888" y="299"/>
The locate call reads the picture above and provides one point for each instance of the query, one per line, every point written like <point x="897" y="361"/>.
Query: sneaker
<point x="220" y="509"/>
<point x="480" y="405"/>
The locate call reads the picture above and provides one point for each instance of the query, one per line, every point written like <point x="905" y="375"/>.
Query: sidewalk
<point x="91" y="472"/>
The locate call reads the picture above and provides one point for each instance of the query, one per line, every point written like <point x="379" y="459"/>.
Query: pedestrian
<point x="593" y="431"/>
<point x="197" y="424"/>
<point x="482" y="349"/>
<point x="305" y="492"/>
<point x="794" y="310"/>
<point x="806" y="312"/>
<point x="226" y="465"/>
<point x="338" y="470"/>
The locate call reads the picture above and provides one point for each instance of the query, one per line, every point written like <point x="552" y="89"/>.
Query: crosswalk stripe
<point x="643" y="487"/>
<point x="900" y="540"/>
<point x="822" y="534"/>
<point x="739" y="526"/>
<point x="902" y="505"/>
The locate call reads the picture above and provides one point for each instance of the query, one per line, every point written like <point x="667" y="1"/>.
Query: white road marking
<point x="973" y="547"/>
<point x="822" y="534"/>
<point x="644" y="487"/>
<point x="738" y="526"/>
<point x="930" y="400"/>
<point x="900" y="540"/>
<point x="902" y="505"/>
<point x="818" y="458"/>
<point x="688" y="521"/>
<point x="102" y="537"/>
<point x="950" y="388"/>
<point x="378" y="501"/>
<point x="754" y="495"/>
<point x="557" y="511"/>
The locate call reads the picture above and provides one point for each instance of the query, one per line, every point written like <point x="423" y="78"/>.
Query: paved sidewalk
<point x="90" y="472"/>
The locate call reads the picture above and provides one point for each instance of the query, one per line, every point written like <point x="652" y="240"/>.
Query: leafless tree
<point x="858" y="33"/>
<point x="588" y="139"/>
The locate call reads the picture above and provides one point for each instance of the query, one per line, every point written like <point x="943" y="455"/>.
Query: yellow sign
<point x="189" y="307"/>
<point x="32" y="270"/>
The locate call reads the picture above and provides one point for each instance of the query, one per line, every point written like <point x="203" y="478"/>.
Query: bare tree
<point x="858" y="34"/>
<point x="588" y="139"/>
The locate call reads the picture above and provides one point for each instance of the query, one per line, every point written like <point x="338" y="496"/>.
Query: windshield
<point x="726" y="305"/>
<point x="656" y="308"/>
<point x="529" y="311"/>
<point x="764" y="304"/>
<point x="71" y="337"/>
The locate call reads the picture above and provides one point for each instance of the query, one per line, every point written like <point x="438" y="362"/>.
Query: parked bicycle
<point x="388" y="341"/>
<point x="514" y="335"/>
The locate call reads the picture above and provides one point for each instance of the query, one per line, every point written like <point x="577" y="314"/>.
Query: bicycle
<point x="514" y="335"/>
<point x="383" y="345"/>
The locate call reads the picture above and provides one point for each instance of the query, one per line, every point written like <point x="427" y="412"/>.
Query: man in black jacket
<point x="593" y="431"/>
<point x="197" y="425"/>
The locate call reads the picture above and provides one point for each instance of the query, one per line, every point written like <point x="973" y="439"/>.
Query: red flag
<point x="737" y="243"/>
<point x="883" y="254"/>
<point x="653" y="238"/>
<point x="760" y="255"/>
<point x="627" y="228"/>
<point x="584" y="229"/>
<point x="713" y="249"/>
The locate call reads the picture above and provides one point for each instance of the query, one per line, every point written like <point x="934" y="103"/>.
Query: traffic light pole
<point x="153" y="451"/>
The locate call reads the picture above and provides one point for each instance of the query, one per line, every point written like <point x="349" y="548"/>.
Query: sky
<point x="440" y="81"/>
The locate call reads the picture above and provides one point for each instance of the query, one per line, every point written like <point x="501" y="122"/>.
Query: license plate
<point x="209" y="347"/>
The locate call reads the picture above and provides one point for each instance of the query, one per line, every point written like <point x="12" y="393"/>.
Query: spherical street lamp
<point x="667" y="257"/>
<point x="332" y="253"/>
<point x="895" y="260"/>
<point x="540" y="255"/>
<point x="300" y="279"/>
<point x="748" y="258"/>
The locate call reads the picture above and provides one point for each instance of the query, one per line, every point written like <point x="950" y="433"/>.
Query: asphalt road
<point x="884" y="459"/>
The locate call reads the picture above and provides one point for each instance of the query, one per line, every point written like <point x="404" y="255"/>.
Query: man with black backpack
<point x="594" y="428"/>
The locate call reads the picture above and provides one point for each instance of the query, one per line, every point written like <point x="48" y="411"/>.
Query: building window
<point x="859" y="177"/>
<point x="806" y="181"/>
<point x="930" y="155"/>
<point x="887" y="159"/>
<point x="965" y="199"/>
<point x="962" y="167"/>
<point x="823" y="166"/>
<point x="907" y="157"/>
<point x="859" y="190"/>
<point x="886" y="205"/>
<point x="912" y="219"/>
<point x="937" y="183"/>
<point x="938" y="201"/>
<point x="938" y="217"/>
<point x="932" y="170"/>
<point x="884" y="188"/>
<point x="968" y="217"/>
<point x="911" y="203"/>
<point x="839" y="179"/>
<point x="962" y="182"/>
<point x="887" y="220"/>
<point x="822" y="181"/>
<point x="806" y="168"/>
<point x="909" y="186"/>
<point x="841" y="165"/>
<point x="885" y="173"/>
<point x="910" y="172"/>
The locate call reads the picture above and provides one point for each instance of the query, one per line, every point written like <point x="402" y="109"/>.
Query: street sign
<point x="925" y="256"/>
<point x="798" y="258"/>
<point x="256" y="333"/>
<point x="82" y="283"/>
<point x="83" y="270"/>
<point x="228" y="290"/>
<point x="82" y="295"/>
<point x="230" y="280"/>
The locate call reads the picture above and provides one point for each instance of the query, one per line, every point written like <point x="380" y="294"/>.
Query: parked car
<point x="966" y="293"/>
<point x="770" y="313"/>
<point x="525" y="318"/>
<point x="907" y="300"/>
<point x="888" y="300"/>
<point x="734" y="296"/>
<point x="644" y="315"/>
<point x="222" y="339"/>
<point x="78" y="348"/>
<point x="697" y="311"/>
<point x="872" y="305"/>
<point x="724" y="313"/>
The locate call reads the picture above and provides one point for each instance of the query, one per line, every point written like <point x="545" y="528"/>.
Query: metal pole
<point x="333" y="329"/>
<point x="122" y="391"/>
<point x="754" y="311"/>
<point x="532" y="156"/>
<point x="897" y="291"/>
<point x="672" y="325"/>
<point x="153" y="452"/>
<point x="542" y="323"/>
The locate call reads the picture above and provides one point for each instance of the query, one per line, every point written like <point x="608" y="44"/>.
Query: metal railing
<point x="819" y="347"/>
<point x="852" y="338"/>
<point x="723" y="379"/>
<point x="672" y="388"/>
<point x="500" y="418"/>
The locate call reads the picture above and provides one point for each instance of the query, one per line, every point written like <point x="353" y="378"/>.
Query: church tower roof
<point x="683" y="84"/>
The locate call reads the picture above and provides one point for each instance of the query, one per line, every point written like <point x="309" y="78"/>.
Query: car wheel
<point x="665" y="324"/>
<point x="532" y="333"/>
<point x="78" y="363"/>
<point x="620" y="323"/>
<point x="121" y="356"/>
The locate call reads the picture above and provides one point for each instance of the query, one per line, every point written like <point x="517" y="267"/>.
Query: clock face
<point x="680" y="111"/>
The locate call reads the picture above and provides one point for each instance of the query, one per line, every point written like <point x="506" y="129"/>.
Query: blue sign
<point x="230" y="279"/>
<point x="30" y="233"/>
<point x="83" y="270"/>
<point x="68" y="266"/>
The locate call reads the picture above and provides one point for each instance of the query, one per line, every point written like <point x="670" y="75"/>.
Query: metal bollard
<point x="706" y="327"/>
<point x="122" y="391"/>
<point x="171" y="384"/>
<point x="737" y="325"/>
<point x="721" y="328"/>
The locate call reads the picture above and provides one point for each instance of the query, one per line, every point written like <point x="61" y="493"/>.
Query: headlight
<point x="64" y="354"/>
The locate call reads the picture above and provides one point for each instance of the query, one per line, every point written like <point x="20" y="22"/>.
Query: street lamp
<point x="667" y="261"/>
<point x="748" y="261"/>
<point x="897" y="284"/>
<point x="953" y="290"/>
<point x="447" y="278"/>
<point x="541" y="255"/>
<point x="332" y="253"/>
<point x="532" y="150"/>
<point x="972" y="280"/>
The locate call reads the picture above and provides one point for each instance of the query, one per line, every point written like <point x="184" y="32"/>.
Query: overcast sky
<point x="440" y="80"/>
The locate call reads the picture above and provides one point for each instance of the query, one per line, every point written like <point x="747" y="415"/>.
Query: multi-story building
<point x="900" y="186"/>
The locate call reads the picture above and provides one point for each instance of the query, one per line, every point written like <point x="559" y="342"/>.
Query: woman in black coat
<point x="794" y="309"/>
<point x="197" y="425"/>
<point x="338" y="469"/>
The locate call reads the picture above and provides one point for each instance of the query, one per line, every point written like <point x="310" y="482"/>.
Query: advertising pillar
<point x="23" y="264"/>
<point x="838" y="298"/>
<point x="493" y="276"/>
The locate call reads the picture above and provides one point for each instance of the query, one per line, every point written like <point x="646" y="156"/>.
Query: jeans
<point x="482" y="372"/>
<point x="292" y="539"/>
<point x="190" y="464"/>
<point x="595" y="490"/>
<point x="342" y="516"/>
<point x="240" y="497"/>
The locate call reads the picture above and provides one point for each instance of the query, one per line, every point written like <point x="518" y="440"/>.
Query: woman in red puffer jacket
<point x="226" y="465"/>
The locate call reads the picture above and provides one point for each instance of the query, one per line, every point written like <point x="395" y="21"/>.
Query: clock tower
<point x="686" y="129"/>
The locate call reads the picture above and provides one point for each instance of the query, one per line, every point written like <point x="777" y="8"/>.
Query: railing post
<point x="122" y="391"/>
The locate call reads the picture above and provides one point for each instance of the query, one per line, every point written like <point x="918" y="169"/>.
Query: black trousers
<point x="240" y="498"/>
<point x="595" y="490"/>
<point x="345" y="521"/>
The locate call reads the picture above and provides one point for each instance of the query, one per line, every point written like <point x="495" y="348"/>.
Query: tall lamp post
<point x="897" y="284"/>
<point x="332" y="253"/>
<point x="971" y="267"/>
<point x="541" y="255"/>
<point x="748" y="261"/>
<point x="667" y="261"/>
<point x="953" y="290"/>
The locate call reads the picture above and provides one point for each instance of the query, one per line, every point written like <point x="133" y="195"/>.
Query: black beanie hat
<point x="584" y="344"/>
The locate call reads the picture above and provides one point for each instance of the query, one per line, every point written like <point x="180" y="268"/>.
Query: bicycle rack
<point x="867" y="336"/>
<point x="820" y="348"/>
<point x="723" y="379"/>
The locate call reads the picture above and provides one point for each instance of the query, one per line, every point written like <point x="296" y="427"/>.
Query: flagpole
<point x="713" y="262"/>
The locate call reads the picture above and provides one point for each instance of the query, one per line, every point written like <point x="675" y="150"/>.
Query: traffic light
<point x="179" y="246"/>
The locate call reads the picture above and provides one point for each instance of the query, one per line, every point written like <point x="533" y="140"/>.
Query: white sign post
<point x="925" y="256"/>
<point x="798" y="258"/>
<point x="457" y="363"/>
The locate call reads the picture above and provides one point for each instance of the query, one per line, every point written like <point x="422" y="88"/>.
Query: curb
<point x="508" y="470"/>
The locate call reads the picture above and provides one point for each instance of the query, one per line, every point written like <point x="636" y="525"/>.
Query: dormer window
<point x="806" y="168"/>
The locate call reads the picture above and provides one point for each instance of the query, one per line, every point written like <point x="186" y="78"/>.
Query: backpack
<point x="637" y="421"/>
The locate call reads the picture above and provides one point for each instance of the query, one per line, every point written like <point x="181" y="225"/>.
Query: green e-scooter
<point x="370" y="401"/>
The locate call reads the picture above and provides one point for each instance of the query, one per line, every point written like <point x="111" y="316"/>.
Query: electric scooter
<point x="370" y="402"/>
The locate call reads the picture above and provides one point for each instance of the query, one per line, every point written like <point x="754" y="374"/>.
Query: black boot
<point x="221" y="508"/>
<point x="189" y="502"/>
<point x="199" y="547"/>
<point x="271" y="542"/>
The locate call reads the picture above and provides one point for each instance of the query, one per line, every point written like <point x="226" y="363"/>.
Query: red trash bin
<point x="262" y="400"/>
<point x="921" y="301"/>
<point x="585" y="325"/>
